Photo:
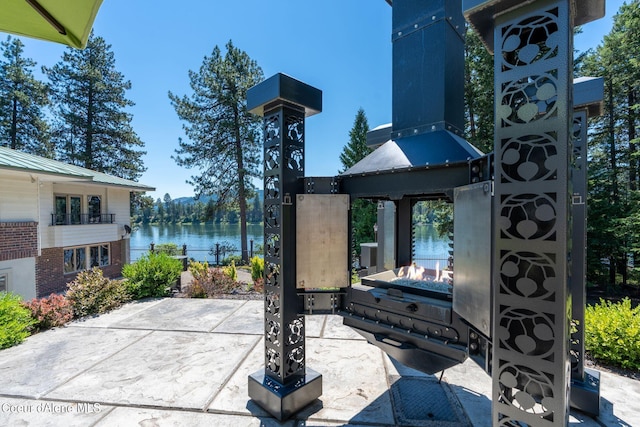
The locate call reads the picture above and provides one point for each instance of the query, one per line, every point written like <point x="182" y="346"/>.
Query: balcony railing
<point x="81" y="219"/>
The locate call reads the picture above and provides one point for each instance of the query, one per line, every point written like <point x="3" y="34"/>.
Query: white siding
<point x="18" y="197"/>
<point x="46" y="209"/>
<point x="114" y="201"/>
<point x="62" y="236"/>
<point x="22" y="276"/>
<point x="118" y="202"/>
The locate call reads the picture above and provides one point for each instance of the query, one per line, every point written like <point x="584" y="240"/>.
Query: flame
<point x="415" y="272"/>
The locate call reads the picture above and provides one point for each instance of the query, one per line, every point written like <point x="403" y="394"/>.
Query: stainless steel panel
<point x="472" y="289"/>
<point x="388" y="237"/>
<point x="322" y="241"/>
<point x="368" y="254"/>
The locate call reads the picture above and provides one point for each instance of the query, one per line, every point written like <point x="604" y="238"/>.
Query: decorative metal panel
<point x="533" y="51"/>
<point x="283" y="166"/>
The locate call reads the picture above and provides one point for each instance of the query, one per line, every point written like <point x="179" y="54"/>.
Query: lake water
<point x="201" y="238"/>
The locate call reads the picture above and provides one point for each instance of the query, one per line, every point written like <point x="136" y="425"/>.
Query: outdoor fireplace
<point x="504" y="303"/>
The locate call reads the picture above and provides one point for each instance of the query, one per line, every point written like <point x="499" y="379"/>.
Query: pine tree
<point x="223" y="137"/>
<point x="357" y="148"/>
<point x="22" y="102"/>
<point x="363" y="212"/>
<point x="93" y="128"/>
<point x="478" y="91"/>
<point x="614" y="175"/>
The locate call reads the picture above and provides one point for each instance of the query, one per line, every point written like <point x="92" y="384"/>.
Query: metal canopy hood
<point x="428" y="98"/>
<point x="426" y="150"/>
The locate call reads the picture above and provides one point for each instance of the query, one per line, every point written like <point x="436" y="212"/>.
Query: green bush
<point x="196" y="291"/>
<point x="92" y="293"/>
<point x="208" y="282"/>
<point x="152" y="275"/>
<point x="198" y="269"/>
<point x="50" y="312"/>
<point x="236" y="259"/>
<point x="257" y="268"/>
<point x="170" y="249"/>
<point x="231" y="271"/>
<point x="612" y="333"/>
<point x="15" y="320"/>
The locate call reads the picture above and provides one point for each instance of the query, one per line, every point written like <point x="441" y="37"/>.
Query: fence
<point x="214" y="255"/>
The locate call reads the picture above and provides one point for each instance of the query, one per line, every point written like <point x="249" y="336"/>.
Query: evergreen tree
<point x="357" y="148"/>
<point x="145" y="205"/>
<point x="223" y="137"/>
<point x="22" y="102"/>
<point x="93" y="129"/>
<point x="614" y="175"/>
<point x="363" y="212"/>
<point x="160" y="211"/>
<point x="478" y="91"/>
<point x="256" y="209"/>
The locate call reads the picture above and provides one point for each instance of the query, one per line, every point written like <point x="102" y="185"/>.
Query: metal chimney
<point x="428" y="98"/>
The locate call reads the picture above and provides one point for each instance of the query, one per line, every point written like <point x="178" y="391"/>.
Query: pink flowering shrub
<point x="50" y="312"/>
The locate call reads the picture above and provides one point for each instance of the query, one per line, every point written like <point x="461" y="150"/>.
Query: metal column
<point x="533" y="80"/>
<point x="533" y="51"/>
<point x="285" y="385"/>
<point x="588" y="93"/>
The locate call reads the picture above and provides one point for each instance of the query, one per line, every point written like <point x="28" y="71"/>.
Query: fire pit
<point x="421" y="281"/>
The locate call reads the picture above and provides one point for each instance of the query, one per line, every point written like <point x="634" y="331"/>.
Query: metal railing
<point x="81" y="219"/>
<point x="215" y="255"/>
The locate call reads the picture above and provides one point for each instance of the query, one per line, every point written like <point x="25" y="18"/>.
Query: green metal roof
<point x="19" y="161"/>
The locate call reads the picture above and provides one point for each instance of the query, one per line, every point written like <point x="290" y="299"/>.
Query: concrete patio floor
<point x="185" y="362"/>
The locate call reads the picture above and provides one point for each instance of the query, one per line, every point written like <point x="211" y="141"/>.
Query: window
<point x="61" y="210"/>
<point x="68" y="209"/>
<point x="4" y="282"/>
<point x="94" y="208"/>
<point x="99" y="256"/>
<point x="75" y="259"/>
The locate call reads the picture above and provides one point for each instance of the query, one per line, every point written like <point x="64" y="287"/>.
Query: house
<point x="57" y="220"/>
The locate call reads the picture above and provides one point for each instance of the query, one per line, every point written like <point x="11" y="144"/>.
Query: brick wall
<point x="114" y="270"/>
<point x="50" y="275"/>
<point x="18" y="240"/>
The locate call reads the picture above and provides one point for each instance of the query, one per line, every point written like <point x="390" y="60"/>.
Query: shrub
<point x="92" y="293"/>
<point x="612" y="333"/>
<point x="213" y="281"/>
<point x="170" y="249"/>
<point x="257" y="268"/>
<point x="50" y="312"/>
<point x="232" y="259"/>
<point x="231" y="271"/>
<point x="152" y="275"/>
<point x="196" y="291"/>
<point x="258" y="285"/>
<point x="197" y="269"/>
<point x="15" y="320"/>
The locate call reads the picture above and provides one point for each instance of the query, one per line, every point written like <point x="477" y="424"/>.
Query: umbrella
<point x="63" y="21"/>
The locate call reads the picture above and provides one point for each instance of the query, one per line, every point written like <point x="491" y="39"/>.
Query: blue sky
<point x="342" y="47"/>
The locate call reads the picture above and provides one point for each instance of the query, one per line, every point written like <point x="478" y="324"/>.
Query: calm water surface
<point x="201" y="238"/>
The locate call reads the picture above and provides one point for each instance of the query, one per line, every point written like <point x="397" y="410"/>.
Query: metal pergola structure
<point x="510" y="308"/>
